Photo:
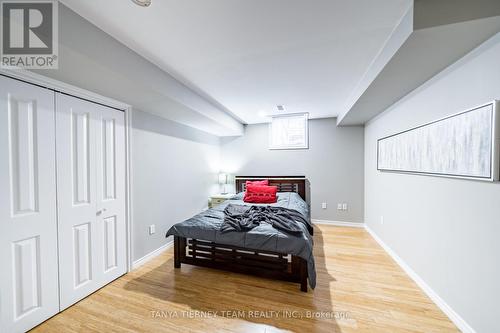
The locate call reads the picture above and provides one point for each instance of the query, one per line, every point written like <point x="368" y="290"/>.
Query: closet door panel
<point x="77" y="198"/>
<point x="111" y="193"/>
<point x="91" y="190"/>
<point x="28" y="226"/>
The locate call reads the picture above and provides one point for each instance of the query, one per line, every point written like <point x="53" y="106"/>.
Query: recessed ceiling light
<point x="142" y="3"/>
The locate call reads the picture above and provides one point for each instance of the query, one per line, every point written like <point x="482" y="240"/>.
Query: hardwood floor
<point x="360" y="289"/>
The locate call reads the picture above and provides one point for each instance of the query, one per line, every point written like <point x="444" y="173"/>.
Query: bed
<point x="263" y="251"/>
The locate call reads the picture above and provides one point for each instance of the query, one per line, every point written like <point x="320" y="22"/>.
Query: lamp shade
<point x="223" y="178"/>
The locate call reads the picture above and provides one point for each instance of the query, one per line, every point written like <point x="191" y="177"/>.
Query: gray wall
<point x="446" y="230"/>
<point x="174" y="170"/>
<point x="333" y="164"/>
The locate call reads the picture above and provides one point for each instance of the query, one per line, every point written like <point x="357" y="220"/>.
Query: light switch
<point x="344" y="206"/>
<point x="323" y="205"/>
<point x="152" y="229"/>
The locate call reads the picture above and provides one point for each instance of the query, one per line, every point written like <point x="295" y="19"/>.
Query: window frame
<point x="305" y="116"/>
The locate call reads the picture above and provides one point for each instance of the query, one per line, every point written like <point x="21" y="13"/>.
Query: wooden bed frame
<point x="268" y="264"/>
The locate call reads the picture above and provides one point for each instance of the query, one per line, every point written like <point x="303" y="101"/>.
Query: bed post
<point x="303" y="275"/>
<point x="299" y="271"/>
<point x="177" y="250"/>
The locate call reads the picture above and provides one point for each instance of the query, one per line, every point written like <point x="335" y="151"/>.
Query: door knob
<point x="99" y="212"/>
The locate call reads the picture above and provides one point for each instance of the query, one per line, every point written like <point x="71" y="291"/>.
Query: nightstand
<point x="217" y="199"/>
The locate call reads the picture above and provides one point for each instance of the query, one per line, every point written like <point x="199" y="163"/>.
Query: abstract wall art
<point x="463" y="145"/>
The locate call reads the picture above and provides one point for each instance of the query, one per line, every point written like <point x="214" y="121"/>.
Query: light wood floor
<point x="360" y="289"/>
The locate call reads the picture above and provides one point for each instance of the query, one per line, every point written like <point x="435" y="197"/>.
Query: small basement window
<point x="289" y="132"/>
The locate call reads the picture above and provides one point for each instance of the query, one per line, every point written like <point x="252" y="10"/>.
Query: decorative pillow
<point x="260" y="194"/>
<point x="264" y="182"/>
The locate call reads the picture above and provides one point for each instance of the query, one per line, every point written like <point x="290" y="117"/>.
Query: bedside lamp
<point x="223" y="180"/>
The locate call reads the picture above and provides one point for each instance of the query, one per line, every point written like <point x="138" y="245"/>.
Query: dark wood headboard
<point x="296" y="184"/>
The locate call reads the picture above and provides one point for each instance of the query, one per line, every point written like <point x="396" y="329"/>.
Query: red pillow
<point x="260" y="194"/>
<point x="264" y="182"/>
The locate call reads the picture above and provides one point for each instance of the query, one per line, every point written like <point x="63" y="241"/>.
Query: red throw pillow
<point x="264" y="182"/>
<point x="260" y="194"/>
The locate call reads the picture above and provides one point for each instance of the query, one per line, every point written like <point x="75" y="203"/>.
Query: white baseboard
<point x="454" y="317"/>
<point x="139" y="262"/>
<point x="339" y="223"/>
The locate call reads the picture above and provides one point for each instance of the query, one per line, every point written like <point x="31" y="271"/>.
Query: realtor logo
<point x="29" y="34"/>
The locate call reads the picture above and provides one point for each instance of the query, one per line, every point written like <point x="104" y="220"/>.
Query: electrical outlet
<point x="323" y="205"/>
<point x="152" y="229"/>
<point x="344" y="206"/>
<point x="339" y="206"/>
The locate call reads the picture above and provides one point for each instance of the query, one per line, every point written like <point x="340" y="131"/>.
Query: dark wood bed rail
<point x="298" y="184"/>
<point x="267" y="264"/>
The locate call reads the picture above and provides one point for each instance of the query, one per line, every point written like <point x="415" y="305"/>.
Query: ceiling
<point x="247" y="56"/>
<point x="429" y="40"/>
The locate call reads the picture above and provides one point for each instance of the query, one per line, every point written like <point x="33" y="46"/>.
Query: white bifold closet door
<point x="28" y="225"/>
<point x="90" y="154"/>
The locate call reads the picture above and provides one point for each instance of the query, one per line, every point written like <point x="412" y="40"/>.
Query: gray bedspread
<point x="207" y="225"/>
